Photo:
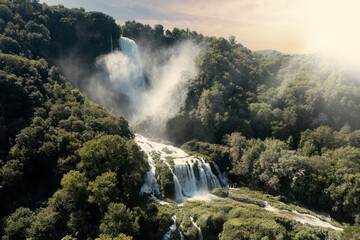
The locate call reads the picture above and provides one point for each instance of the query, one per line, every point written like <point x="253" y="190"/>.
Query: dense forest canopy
<point x="69" y="168"/>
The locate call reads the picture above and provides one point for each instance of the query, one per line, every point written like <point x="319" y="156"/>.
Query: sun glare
<point x="333" y="29"/>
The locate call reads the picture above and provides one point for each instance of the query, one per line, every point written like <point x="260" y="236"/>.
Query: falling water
<point x="200" y="236"/>
<point x="222" y="176"/>
<point x="150" y="185"/>
<point x="172" y="229"/>
<point x="191" y="175"/>
<point x="135" y="78"/>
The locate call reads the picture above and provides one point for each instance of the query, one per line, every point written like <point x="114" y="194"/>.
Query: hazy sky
<point x="290" y="26"/>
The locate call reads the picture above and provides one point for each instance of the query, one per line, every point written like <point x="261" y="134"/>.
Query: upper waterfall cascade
<point x="191" y="175"/>
<point x="130" y="79"/>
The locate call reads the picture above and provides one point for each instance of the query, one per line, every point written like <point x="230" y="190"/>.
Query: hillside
<point x="286" y="125"/>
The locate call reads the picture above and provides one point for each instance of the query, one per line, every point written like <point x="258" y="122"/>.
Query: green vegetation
<point x="69" y="169"/>
<point x="166" y="150"/>
<point x="165" y="179"/>
<point x="71" y="161"/>
<point x="237" y="196"/>
<point x="314" y="180"/>
<point x="211" y="152"/>
<point x="171" y="162"/>
<point x="227" y="219"/>
<point x="220" y="192"/>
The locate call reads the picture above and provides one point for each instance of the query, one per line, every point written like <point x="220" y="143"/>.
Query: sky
<point x="289" y="26"/>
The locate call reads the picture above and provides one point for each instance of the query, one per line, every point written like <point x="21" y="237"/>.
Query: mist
<point x="95" y="82"/>
<point x="168" y="90"/>
<point x="167" y="73"/>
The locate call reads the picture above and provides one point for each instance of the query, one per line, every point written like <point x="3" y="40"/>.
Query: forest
<point x="284" y="125"/>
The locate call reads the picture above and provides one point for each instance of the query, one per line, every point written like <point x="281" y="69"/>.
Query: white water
<point x="200" y="236"/>
<point x="150" y="185"/>
<point x="126" y="73"/>
<point x="181" y="235"/>
<point x="303" y="218"/>
<point x="222" y="176"/>
<point x="172" y="229"/>
<point x="135" y="81"/>
<point x="192" y="176"/>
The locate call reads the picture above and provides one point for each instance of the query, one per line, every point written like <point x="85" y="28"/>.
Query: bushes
<point x="165" y="178"/>
<point x="18" y="223"/>
<point x="246" y="199"/>
<point x="220" y="192"/>
<point x="118" y="219"/>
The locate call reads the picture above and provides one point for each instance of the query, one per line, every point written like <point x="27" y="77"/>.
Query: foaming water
<point x="303" y="218"/>
<point x="192" y="176"/>
<point x="172" y="229"/>
<point x="200" y="236"/>
<point x="135" y="81"/>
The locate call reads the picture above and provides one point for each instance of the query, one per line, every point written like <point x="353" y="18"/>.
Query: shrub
<point x="220" y="192"/>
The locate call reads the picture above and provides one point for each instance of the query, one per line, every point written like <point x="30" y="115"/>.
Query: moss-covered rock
<point x="220" y="192"/>
<point x="165" y="179"/>
<point x="246" y="199"/>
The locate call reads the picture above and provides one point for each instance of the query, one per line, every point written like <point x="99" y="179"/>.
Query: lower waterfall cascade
<point x="191" y="175"/>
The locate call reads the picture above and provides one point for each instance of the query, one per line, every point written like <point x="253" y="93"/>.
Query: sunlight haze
<point x="288" y="26"/>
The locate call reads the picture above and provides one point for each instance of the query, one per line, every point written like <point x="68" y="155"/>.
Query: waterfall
<point x="191" y="175"/>
<point x="200" y="236"/>
<point x="135" y="81"/>
<point x="125" y="71"/>
<point x="195" y="176"/>
<point x="223" y="176"/>
<point x="150" y="185"/>
<point x="172" y="229"/>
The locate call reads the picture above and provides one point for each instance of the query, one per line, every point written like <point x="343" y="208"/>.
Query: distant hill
<point x="267" y="51"/>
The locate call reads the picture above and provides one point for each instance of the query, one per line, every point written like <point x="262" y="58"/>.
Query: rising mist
<point x="167" y="73"/>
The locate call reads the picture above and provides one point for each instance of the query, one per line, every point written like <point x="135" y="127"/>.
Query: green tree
<point x="108" y="153"/>
<point x="74" y="183"/>
<point x="119" y="219"/>
<point x="103" y="190"/>
<point x="44" y="226"/>
<point x="345" y="190"/>
<point x="18" y="224"/>
<point x="120" y="237"/>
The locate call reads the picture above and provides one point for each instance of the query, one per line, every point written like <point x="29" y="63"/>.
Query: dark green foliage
<point x="50" y="32"/>
<point x="118" y="219"/>
<point x="220" y="192"/>
<point x="74" y="184"/>
<point x="103" y="190"/>
<point x="114" y="153"/>
<point x="17" y="224"/>
<point x="165" y="179"/>
<point x="44" y="123"/>
<point x="237" y="196"/>
<point x="45" y="225"/>
<point x="69" y="169"/>
<point x="351" y="233"/>
<point x="218" y="154"/>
